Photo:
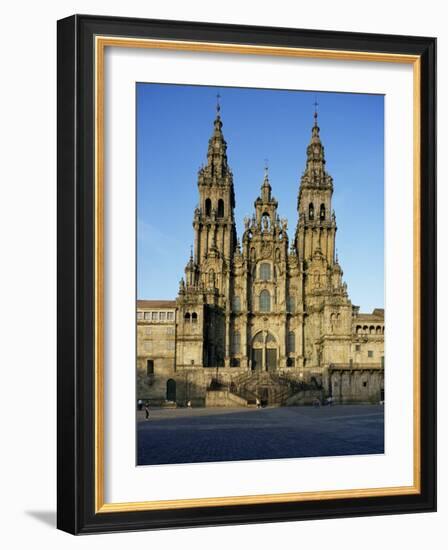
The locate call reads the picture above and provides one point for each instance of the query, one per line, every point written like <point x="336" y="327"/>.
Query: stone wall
<point x="223" y="398"/>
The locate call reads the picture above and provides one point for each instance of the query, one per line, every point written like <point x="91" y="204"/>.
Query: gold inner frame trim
<point x="101" y="42"/>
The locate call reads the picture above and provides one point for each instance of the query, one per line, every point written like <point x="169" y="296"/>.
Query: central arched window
<point x="236" y="304"/>
<point x="265" y="271"/>
<point x="265" y="301"/>
<point x="220" y="208"/>
<point x="291" y="342"/>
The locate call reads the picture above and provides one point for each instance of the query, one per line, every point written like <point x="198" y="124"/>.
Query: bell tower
<point x="204" y="294"/>
<point x="316" y="228"/>
<point x="214" y="224"/>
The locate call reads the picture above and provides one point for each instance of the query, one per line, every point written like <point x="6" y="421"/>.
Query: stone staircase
<point x="272" y="388"/>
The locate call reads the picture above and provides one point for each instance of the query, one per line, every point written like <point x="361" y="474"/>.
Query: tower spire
<point x="266" y="188"/>
<point x="217" y="167"/>
<point x="315" y="173"/>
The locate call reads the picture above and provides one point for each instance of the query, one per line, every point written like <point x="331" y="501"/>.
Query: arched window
<point x="194" y="317"/>
<point x="265" y="271"/>
<point x="358" y="329"/>
<point x="208" y="207"/>
<point x="236" y="342"/>
<point x="220" y="208"/>
<point x="291" y="304"/>
<point x="291" y="342"/>
<point x="372" y="330"/>
<point x="236" y="304"/>
<point x="187" y="317"/>
<point x="365" y="329"/>
<point x="378" y="330"/>
<point x="311" y="211"/>
<point x="265" y="301"/>
<point x="322" y="211"/>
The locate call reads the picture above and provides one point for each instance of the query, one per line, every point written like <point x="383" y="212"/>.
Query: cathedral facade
<point x="266" y="318"/>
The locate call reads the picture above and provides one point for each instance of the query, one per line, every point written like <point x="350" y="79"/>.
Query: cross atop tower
<point x="218" y="106"/>
<point x="316" y="104"/>
<point x="266" y="167"/>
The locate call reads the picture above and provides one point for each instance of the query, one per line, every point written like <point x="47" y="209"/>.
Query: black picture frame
<point x="76" y="285"/>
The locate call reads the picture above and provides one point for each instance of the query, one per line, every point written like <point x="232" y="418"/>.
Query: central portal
<point x="264" y="352"/>
<point x="271" y="359"/>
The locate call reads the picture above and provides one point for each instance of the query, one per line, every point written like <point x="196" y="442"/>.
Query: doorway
<point x="171" y="390"/>
<point x="264" y="351"/>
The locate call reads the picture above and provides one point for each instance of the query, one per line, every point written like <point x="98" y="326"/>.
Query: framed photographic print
<point x="246" y="274"/>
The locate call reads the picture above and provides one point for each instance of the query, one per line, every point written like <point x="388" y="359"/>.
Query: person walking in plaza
<point x="147" y="411"/>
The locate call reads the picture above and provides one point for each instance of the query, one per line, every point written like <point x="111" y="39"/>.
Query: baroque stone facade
<point x="265" y="318"/>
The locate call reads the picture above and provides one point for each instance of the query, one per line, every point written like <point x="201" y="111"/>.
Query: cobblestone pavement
<point x="179" y="436"/>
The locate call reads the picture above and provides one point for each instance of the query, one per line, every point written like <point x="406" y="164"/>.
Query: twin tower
<point x="264" y="303"/>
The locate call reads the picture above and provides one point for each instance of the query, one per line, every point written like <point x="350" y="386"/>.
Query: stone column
<point x="264" y="361"/>
<point x="299" y="335"/>
<point x="205" y="251"/>
<point x="282" y="351"/>
<point x="196" y="243"/>
<point x="227" y="345"/>
<point x="331" y="246"/>
<point x="244" y="343"/>
<point x="223" y="244"/>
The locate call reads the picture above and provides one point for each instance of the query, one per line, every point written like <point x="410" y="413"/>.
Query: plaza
<point x="183" y="435"/>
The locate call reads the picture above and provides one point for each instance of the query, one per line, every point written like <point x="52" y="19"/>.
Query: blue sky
<point x="174" y="124"/>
